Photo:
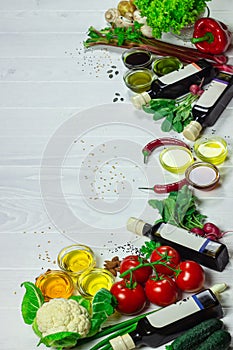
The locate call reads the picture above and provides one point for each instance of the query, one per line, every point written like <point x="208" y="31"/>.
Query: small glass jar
<point x="93" y="280"/>
<point x="137" y="58"/>
<point x="176" y="159"/>
<point x="75" y="259"/>
<point x="211" y="149"/>
<point x="166" y="65"/>
<point x="55" y="284"/>
<point x="139" y="80"/>
<point x="202" y="175"/>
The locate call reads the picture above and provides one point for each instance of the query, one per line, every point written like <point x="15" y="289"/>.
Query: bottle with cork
<point x="167" y="323"/>
<point x="210" y="105"/>
<point x="176" y="83"/>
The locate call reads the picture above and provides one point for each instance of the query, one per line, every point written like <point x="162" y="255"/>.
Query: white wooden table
<point x="70" y="157"/>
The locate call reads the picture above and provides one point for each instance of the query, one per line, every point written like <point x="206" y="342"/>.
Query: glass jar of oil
<point x="212" y="149"/>
<point x="93" y="280"/>
<point x="55" y="284"/>
<point x="75" y="259"/>
<point x="138" y="80"/>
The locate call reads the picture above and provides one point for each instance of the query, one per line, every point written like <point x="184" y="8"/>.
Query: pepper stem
<point x="145" y="188"/>
<point x="208" y="37"/>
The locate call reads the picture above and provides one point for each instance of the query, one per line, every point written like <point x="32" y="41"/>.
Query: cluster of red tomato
<point x="159" y="280"/>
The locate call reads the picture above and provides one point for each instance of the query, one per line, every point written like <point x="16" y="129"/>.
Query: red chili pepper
<point x="211" y="36"/>
<point x="165" y="141"/>
<point x="174" y="186"/>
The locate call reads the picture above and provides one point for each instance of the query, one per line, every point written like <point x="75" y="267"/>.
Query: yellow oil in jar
<point x="212" y="150"/>
<point x="77" y="261"/>
<point x="76" y="258"/>
<point x="55" y="284"/>
<point x="92" y="281"/>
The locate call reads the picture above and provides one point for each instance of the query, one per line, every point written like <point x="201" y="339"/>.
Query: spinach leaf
<point x="32" y="301"/>
<point x="156" y="204"/>
<point x="179" y="209"/>
<point x="167" y="123"/>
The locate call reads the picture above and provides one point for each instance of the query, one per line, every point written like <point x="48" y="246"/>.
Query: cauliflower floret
<point x="62" y="315"/>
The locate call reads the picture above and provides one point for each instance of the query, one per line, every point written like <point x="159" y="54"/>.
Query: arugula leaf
<point x="32" y="301"/>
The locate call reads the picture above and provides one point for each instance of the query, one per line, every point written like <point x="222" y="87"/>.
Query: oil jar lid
<point x="211" y="149"/>
<point x="202" y="175"/>
<point x="176" y="159"/>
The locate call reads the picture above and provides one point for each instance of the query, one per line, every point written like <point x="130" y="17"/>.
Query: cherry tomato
<point x="171" y="259"/>
<point x="192" y="276"/>
<point x="162" y="291"/>
<point x="129" y="300"/>
<point x="141" y="275"/>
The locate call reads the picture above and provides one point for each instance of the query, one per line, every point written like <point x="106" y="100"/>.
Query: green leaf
<point x="177" y="126"/>
<point x="103" y="306"/>
<point x="36" y="329"/>
<point x="32" y="301"/>
<point x="60" y="340"/>
<point x="148" y="248"/>
<point x="167" y="123"/>
<point x="82" y="301"/>
<point x="157" y="204"/>
<point x="148" y="109"/>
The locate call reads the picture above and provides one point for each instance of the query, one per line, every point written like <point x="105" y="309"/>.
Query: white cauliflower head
<point x="63" y="315"/>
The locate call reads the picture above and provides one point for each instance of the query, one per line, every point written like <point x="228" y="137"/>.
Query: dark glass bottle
<point x="177" y="83"/>
<point x="210" y="105"/>
<point x="206" y="252"/>
<point x="167" y="323"/>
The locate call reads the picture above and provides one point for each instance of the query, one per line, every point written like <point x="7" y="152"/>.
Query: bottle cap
<point x="135" y="225"/>
<point x="192" y="131"/>
<point x="141" y="99"/>
<point x="218" y="288"/>
<point x="124" y="342"/>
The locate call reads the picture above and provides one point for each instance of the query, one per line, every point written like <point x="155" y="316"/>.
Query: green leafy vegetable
<point x="179" y="209"/>
<point x="82" y="301"/>
<point x="177" y="113"/>
<point x="148" y="248"/>
<point x="103" y="306"/>
<point x="32" y="301"/>
<point x="166" y="15"/>
<point x="60" y="340"/>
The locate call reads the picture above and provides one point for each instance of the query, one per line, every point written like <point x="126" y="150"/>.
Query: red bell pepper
<point x="211" y="36"/>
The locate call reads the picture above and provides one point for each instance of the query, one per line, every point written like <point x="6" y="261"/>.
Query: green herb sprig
<point x="179" y="209"/>
<point x="176" y="113"/>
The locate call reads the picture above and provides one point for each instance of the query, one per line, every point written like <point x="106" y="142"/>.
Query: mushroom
<point x="111" y="15"/>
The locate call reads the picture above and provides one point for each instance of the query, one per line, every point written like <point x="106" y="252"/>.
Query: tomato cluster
<point x="159" y="280"/>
